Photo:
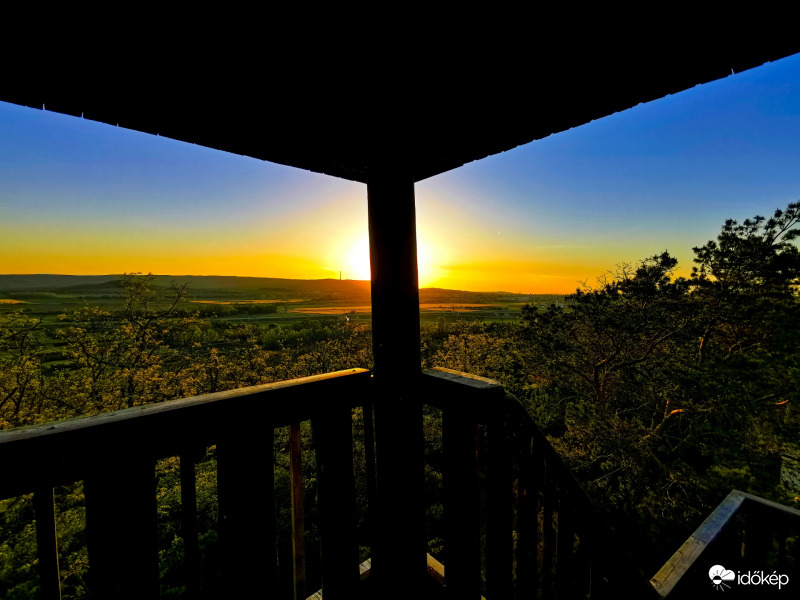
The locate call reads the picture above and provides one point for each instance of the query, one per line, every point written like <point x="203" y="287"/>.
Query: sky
<point x="79" y="197"/>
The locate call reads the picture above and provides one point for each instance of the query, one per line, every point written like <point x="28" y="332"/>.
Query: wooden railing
<point x="744" y="534"/>
<point x="515" y="522"/>
<point x="114" y="454"/>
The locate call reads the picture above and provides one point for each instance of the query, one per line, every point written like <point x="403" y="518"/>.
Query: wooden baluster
<point x="47" y="544"/>
<point x="528" y="524"/>
<point x="757" y="540"/>
<point x="548" y="546"/>
<point x="298" y="501"/>
<point x="499" y="518"/>
<point x="461" y="506"/>
<point x="582" y="560"/>
<point x="566" y="578"/>
<point x="782" y="562"/>
<point x="189" y="531"/>
<point x="333" y="436"/>
<point x="247" y="511"/>
<point x="122" y="530"/>
<point x="369" y="458"/>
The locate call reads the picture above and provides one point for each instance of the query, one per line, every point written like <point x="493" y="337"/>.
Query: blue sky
<point x="84" y="197"/>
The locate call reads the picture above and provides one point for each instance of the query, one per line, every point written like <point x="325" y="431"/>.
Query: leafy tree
<point x="20" y="377"/>
<point x="663" y="393"/>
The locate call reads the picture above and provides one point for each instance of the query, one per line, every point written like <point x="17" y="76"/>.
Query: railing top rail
<point x="486" y="401"/>
<point x="785" y="511"/>
<point x="446" y="388"/>
<point x="60" y="452"/>
<point x="709" y="530"/>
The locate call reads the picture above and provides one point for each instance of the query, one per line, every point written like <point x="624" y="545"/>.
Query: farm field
<point x="251" y="299"/>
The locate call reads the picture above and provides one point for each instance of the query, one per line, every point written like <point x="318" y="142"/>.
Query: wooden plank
<point x="333" y="437"/>
<point x="499" y="517"/>
<point x="122" y="531"/>
<point x="245" y="479"/>
<point x="189" y="531"/>
<point x="297" y="495"/>
<point x="47" y="544"/>
<point x="461" y="506"/>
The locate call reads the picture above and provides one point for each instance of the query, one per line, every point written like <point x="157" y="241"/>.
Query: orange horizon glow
<point x="460" y="253"/>
<point x="463" y="252"/>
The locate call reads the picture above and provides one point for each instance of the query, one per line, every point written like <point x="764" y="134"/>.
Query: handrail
<point x="114" y="455"/>
<point x="59" y="453"/>
<point x="541" y="531"/>
<point x="516" y="522"/>
<point x="622" y="571"/>
<point x="692" y="560"/>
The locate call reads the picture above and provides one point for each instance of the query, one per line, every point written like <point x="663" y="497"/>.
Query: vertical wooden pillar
<point x="399" y="554"/>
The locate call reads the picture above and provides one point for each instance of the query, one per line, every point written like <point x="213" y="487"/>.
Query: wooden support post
<point x="399" y="556"/>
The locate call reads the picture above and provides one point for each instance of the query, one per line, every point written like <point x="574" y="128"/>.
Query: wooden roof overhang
<point x="436" y="109"/>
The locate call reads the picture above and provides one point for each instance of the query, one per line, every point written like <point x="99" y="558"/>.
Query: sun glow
<point x="356" y="260"/>
<point x="356" y="263"/>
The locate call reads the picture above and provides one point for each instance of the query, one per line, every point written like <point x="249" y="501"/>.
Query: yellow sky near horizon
<point x="451" y="257"/>
<point x="467" y="249"/>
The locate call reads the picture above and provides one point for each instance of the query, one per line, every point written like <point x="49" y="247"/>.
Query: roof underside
<point x="433" y="112"/>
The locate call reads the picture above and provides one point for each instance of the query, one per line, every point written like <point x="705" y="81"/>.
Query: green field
<point x="240" y="299"/>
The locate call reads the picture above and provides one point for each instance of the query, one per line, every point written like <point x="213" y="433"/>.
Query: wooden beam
<point x="399" y="553"/>
<point x="393" y="266"/>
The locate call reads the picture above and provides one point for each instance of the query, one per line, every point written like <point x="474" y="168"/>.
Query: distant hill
<point x="72" y="284"/>
<point x="221" y="284"/>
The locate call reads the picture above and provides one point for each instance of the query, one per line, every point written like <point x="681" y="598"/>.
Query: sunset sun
<point x="356" y="261"/>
